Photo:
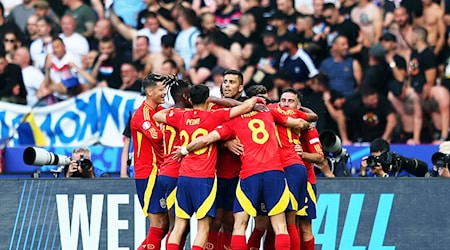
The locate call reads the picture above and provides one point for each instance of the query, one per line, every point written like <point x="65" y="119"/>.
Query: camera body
<point x="84" y="164"/>
<point x="440" y="159"/>
<point x="385" y="159"/>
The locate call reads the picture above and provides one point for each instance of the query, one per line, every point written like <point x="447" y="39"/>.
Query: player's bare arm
<point x="160" y="116"/>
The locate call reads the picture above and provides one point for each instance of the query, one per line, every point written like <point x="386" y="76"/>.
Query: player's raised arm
<point x="226" y="102"/>
<point x="160" y="116"/>
<point x="245" y="107"/>
<point x="311" y="116"/>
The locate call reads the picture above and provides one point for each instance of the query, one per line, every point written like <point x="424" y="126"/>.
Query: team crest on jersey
<point x="146" y="125"/>
<point x="163" y="203"/>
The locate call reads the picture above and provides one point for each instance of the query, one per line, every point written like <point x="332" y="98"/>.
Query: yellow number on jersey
<point x="259" y="132"/>
<point x="198" y="132"/>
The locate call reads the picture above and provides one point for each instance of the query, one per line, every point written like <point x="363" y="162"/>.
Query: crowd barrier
<point x="107" y="159"/>
<point x="352" y="214"/>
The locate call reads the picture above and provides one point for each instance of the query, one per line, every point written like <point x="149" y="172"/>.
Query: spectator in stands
<point x="155" y="60"/>
<point x="84" y="15"/>
<point x="327" y="104"/>
<point x="12" y="88"/>
<point x="225" y="58"/>
<point x="287" y="7"/>
<point x="163" y="15"/>
<point x="151" y="29"/>
<point x="31" y="32"/>
<point x="103" y="29"/>
<point x="62" y="76"/>
<point x="141" y="55"/>
<point x="368" y="117"/>
<point x="281" y="81"/>
<point x="314" y="43"/>
<point x="20" y="14"/>
<point x="32" y="76"/>
<point x="107" y="67"/>
<point x="255" y="8"/>
<point x="202" y="64"/>
<point x="42" y="9"/>
<point x="245" y="34"/>
<point x="79" y="167"/>
<point x="402" y="96"/>
<point x="187" y="36"/>
<point x="377" y="74"/>
<point x="344" y="72"/>
<point x="75" y="43"/>
<point x="278" y="21"/>
<point x="432" y="20"/>
<point x="10" y="44"/>
<point x="6" y="25"/>
<point x="208" y="22"/>
<point x="338" y="25"/>
<point x="42" y="46"/>
<point x="247" y="62"/>
<point x="215" y="84"/>
<point x="88" y="63"/>
<point x="402" y="29"/>
<point x="369" y="18"/>
<point x="130" y="80"/>
<point x="441" y="160"/>
<point x="227" y="16"/>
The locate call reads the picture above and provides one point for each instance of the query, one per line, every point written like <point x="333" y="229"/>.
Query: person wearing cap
<point x="377" y="74"/>
<point x="441" y="160"/>
<point x="402" y="96"/>
<point x="296" y="61"/>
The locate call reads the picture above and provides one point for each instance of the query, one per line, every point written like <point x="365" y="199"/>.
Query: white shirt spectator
<point x="185" y="44"/>
<point x="39" y="51"/>
<point x="76" y="44"/>
<point x="32" y="78"/>
<point x="154" y="38"/>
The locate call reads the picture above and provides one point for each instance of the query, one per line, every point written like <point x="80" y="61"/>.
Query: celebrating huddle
<point x="225" y="159"/>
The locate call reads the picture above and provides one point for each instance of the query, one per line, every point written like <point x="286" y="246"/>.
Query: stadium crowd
<point x="369" y="69"/>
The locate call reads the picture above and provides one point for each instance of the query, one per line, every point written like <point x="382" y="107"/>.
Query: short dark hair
<point x="236" y="73"/>
<point x="145" y="37"/>
<point x="366" y="91"/>
<point x="168" y="40"/>
<point x="152" y="79"/>
<point x="57" y="38"/>
<point x="379" y="145"/>
<point x="322" y="79"/>
<point x="256" y="90"/>
<point x="179" y="88"/>
<point x="199" y="94"/>
<point x="149" y="14"/>
<point x="293" y="91"/>
<point x="329" y="6"/>
<point x="189" y="15"/>
<point x="172" y="63"/>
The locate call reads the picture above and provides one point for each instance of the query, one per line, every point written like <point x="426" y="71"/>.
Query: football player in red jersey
<point x="196" y="186"/>
<point x="262" y="188"/>
<point x="148" y="156"/>
<point x="166" y="181"/>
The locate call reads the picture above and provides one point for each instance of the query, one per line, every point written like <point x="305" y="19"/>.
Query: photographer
<point x="384" y="163"/>
<point x="80" y="165"/>
<point x="441" y="160"/>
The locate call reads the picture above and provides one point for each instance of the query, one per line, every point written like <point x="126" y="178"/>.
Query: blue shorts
<point x="296" y="177"/>
<point x="309" y="210"/>
<point x="265" y="193"/>
<point x="195" y="195"/>
<point x="163" y="195"/>
<point x="144" y="190"/>
<point x="226" y="193"/>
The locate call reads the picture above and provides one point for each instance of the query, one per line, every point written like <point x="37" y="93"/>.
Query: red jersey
<point x="228" y="164"/>
<point x="192" y="124"/>
<point x="256" y="131"/>
<point x="147" y="141"/>
<point x="288" y="137"/>
<point x="311" y="144"/>
<point x="170" y="167"/>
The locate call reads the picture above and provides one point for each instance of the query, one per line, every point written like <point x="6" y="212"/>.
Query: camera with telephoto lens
<point x="39" y="157"/>
<point x="335" y="154"/>
<point x="392" y="162"/>
<point x="84" y="163"/>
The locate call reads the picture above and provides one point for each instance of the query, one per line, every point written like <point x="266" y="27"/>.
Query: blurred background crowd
<point x="369" y="69"/>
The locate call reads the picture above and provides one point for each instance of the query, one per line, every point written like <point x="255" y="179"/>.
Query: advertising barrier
<point x="352" y="214"/>
<point x="107" y="159"/>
